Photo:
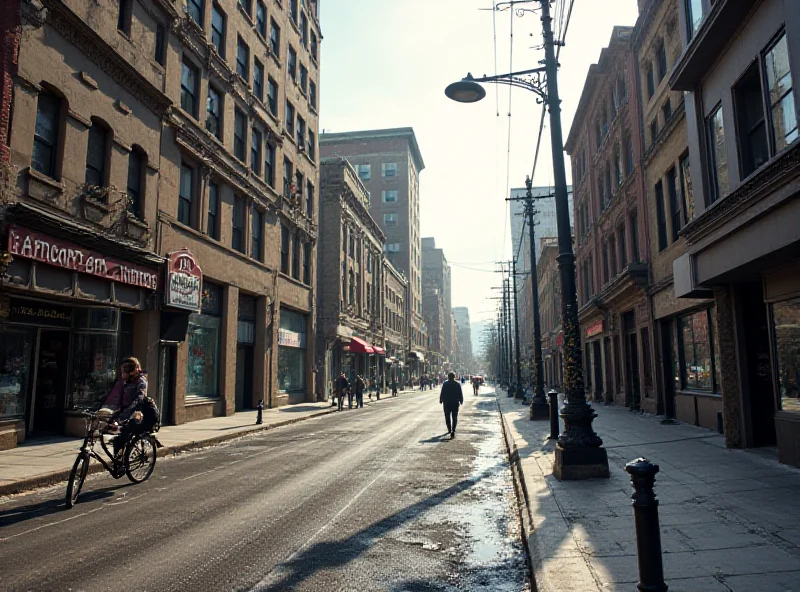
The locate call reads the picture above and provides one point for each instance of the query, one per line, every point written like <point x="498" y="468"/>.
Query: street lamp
<point x="579" y="453"/>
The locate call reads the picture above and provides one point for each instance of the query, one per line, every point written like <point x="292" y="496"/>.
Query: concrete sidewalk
<point x="37" y="463"/>
<point x="730" y="519"/>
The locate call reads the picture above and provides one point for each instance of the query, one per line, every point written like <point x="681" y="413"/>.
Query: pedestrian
<point x="342" y="385"/>
<point x="394" y="387"/>
<point x="377" y="387"/>
<point x="450" y="398"/>
<point x="360" y="385"/>
<point x="259" y="415"/>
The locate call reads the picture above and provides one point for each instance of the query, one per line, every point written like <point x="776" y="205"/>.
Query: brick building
<point x="736" y="70"/>
<point x="389" y="163"/>
<point x="141" y="130"/>
<point x="549" y="314"/>
<point x="350" y="296"/>
<point x="611" y="241"/>
<point x="395" y="321"/>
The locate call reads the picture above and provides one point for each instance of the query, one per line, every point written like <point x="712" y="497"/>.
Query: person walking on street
<point x="394" y="387"/>
<point x="360" y="386"/>
<point x="451" y="397"/>
<point x="342" y="385"/>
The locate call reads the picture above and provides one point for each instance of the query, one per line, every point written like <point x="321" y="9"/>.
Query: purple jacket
<point x="133" y="393"/>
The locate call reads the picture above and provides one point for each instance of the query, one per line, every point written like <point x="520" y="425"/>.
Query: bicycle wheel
<point x="140" y="458"/>
<point x="76" y="478"/>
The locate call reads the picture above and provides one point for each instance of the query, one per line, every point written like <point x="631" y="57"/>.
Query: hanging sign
<point x="184" y="281"/>
<point x="594" y="329"/>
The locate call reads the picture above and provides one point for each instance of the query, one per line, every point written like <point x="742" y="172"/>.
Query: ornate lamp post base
<point x="579" y="451"/>
<point x="539" y="408"/>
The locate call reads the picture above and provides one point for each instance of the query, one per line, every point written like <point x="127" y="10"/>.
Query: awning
<point x="379" y="350"/>
<point x="417" y="355"/>
<point x="359" y="346"/>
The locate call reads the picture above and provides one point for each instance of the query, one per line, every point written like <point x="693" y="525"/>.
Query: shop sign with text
<point x="594" y="329"/>
<point x="290" y="338"/>
<point x="32" y="312"/>
<point x="184" y="281"/>
<point x="60" y="253"/>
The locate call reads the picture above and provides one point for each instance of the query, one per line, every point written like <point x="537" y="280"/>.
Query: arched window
<point x="97" y="153"/>
<point x="137" y="160"/>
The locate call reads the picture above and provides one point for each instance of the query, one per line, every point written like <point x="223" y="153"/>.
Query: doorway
<point x="670" y="369"/>
<point x="50" y="381"/>
<point x="166" y="383"/>
<point x="597" y="368"/>
<point x="632" y="391"/>
<point x="244" y="377"/>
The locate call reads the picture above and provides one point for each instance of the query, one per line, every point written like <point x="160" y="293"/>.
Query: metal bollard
<point x="260" y="407"/>
<point x="555" y="428"/>
<point x="648" y="534"/>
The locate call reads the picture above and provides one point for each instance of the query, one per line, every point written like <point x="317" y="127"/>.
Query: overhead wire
<point x="508" y="144"/>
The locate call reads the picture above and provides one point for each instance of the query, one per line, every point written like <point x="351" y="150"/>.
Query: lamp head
<point x="465" y="90"/>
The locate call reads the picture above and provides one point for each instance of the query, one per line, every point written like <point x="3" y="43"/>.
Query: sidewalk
<point x="37" y="463"/>
<point x="730" y="519"/>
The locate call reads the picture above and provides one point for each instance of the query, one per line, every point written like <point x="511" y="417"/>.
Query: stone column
<point x="227" y="362"/>
<point x="729" y="370"/>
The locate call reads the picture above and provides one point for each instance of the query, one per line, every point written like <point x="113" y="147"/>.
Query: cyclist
<point x="132" y="414"/>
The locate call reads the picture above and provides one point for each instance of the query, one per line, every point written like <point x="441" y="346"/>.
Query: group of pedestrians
<point x="343" y="387"/>
<point x="429" y="382"/>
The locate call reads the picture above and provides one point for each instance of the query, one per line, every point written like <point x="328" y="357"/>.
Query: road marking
<point x="8" y="538"/>
<point x="124" y="500"/>
<point x="196" y="475"/>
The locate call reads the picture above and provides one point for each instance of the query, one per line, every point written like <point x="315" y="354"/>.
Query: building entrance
<point x="50" y="381"/>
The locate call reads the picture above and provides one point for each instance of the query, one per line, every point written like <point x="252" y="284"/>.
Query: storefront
<point x="67" y="316"/>
<point x="292" y="354"/>
<point x="204" y="339"/>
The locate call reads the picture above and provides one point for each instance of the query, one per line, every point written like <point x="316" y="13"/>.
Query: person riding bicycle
<point x="132" y="414"/>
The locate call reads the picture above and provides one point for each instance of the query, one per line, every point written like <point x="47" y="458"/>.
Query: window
<point x="309" y="199"/>
<point x="634" y="226"/>
<point x="290" y="119"/>
<point x="653" y="130"/>
<point x="239" y="133"/>
<point x="364" y="171"/>
<point x="261" y="18"/>
<point x="751" y="121"/>
<point x="661" y="219"/>
<point x="194" y="9"/>
<point x="269" y="165"/>
<point x="303" y="79"/>
<point x="284" y="249"/>
<point x="687" y="196"/>
<point x="247" y="5"/>
<point x="242" y="59"/>
<point x="237" y="234"/>
<point x="623" y="247"/>
<point x="160" y="50"/>
<point x="298" y="185"/>
<point x="304" y="29"/>
<point x="695" y="11"/>
<point x="717" y="156"/>
<point x="344" y="239"/>
<point x="212" y="112"/>
<point x="311" y="147"/>
<point x="666" y="110"/>
<point x="352" y="244"/>
<point x="274" y="38"/>
<point x="390" y="219"/>
<point x="622" y="92"/>
<point x="392" y="247"/>
<point x="255" y="151"/>
<point x="605" y="263"/>
<point x="651" y="83"/>
<point x="786" y="328"/>
<point x="97" y="154"/>
<point x="258" y="79"/>
<point x="186" y="195"/>
<point x="780" y="93"/>
<point x="190" y="84"/>
<point x="661" y="57"/>
<point x="389" y="169"/>
<point x="136" y="161"/>
<point x="617" y="167"/>
<point x="352" y="293"/>
<point x="389" y="196"/>
<point x="674" y="203"/>
<point x="288" y="173"/>
<point x="291" y="64"/>
<point x="272" y="96"/>
<point x="696" y="353"/>
<point x="312" y="95"/>
<point x="293" y="9"/>
<point x="313" y="49"/>
<point x="628" y="156"/>
<point x="212" y="226"/>
<point x="256" y="235"/>
<point x="307" y="263"/>
<point x="612" y="254"/>
<point x="124" y="16"/>
<point x="218" y="29"/>
<point x="296" y="258"/>
<point x="45" y="136"/>
<point x="301" y="132"/>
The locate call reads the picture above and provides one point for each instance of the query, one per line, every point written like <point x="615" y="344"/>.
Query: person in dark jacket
<point x="342" y="386"/>
<point x="450" y="398"/>
<point x="360" y="386"/>
<point x="134" y="392"/>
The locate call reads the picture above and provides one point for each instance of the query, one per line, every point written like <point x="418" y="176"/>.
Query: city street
<point x="370" y="499"/>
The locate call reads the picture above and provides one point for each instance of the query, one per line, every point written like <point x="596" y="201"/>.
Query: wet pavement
<point x="371" y="499"/>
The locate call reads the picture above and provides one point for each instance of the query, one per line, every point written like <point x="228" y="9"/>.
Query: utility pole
<point x="509" y="336"/>
<point x="579" y="453"/>
<point x="539" y="407"/>
<point x="518" y="390"/>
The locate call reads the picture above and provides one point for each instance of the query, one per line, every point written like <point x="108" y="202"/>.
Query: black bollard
<point x="260" y="407"/>
<point x="648" y="534"/>
<point x="554" y="422"/>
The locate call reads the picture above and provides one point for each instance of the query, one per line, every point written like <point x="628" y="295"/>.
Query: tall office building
<point x="545" y="220"/>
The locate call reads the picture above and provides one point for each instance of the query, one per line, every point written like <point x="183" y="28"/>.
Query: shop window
<point x="786" y="328"/>
<point x="218" y="29"/>
<point x="292" y="351"/>
<point x="15" y="367"/>
<point x="203" y="342"/>
<point x="97" y="153"/>
<point x="94" y="367"/>
<point x="696" y="351"/>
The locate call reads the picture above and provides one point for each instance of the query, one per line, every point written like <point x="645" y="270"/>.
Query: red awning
<point x="359" y="346"/>
<point x="378" y="350"/>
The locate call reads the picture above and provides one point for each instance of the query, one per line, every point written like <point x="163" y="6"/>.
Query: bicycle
<point x="137" y="460"/>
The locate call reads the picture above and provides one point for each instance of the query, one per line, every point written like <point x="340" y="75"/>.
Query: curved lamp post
<point x="579" y="453"/>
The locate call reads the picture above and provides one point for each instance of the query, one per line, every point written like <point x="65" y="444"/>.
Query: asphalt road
<point x="363" y="500"/>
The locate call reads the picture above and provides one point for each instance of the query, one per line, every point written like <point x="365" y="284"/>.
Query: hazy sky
<point x="385" y="63"/>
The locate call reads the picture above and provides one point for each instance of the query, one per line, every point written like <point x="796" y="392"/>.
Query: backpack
<point x="152" y="419"/>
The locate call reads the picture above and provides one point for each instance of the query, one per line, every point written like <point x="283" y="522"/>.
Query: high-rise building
<point x="436" y="277"/>
<point x="464" y="338"/>
<point x="389" y="162"/>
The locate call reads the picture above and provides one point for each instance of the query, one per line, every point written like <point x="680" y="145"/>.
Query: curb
<point x="528" y="533"/>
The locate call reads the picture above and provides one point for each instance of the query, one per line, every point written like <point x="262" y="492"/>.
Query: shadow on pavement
<point x="298" y="408"/>
<point x="441" y="438"/>
<point x="51" y="506"/>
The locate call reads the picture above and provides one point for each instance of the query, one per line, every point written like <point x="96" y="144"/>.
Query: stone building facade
<point x="142" y="130"/>
<point x="350" y="296"/>
<point x="437" y="284"/>
<point x="737" y="66"/>
<point x="549" y="315"/>
<point x="395" y="321"/>
<point x="389" y="163"/>
<point x="611" y="241"/>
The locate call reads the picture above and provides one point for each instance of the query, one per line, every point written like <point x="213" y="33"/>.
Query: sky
<point x="386" y="63"/>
